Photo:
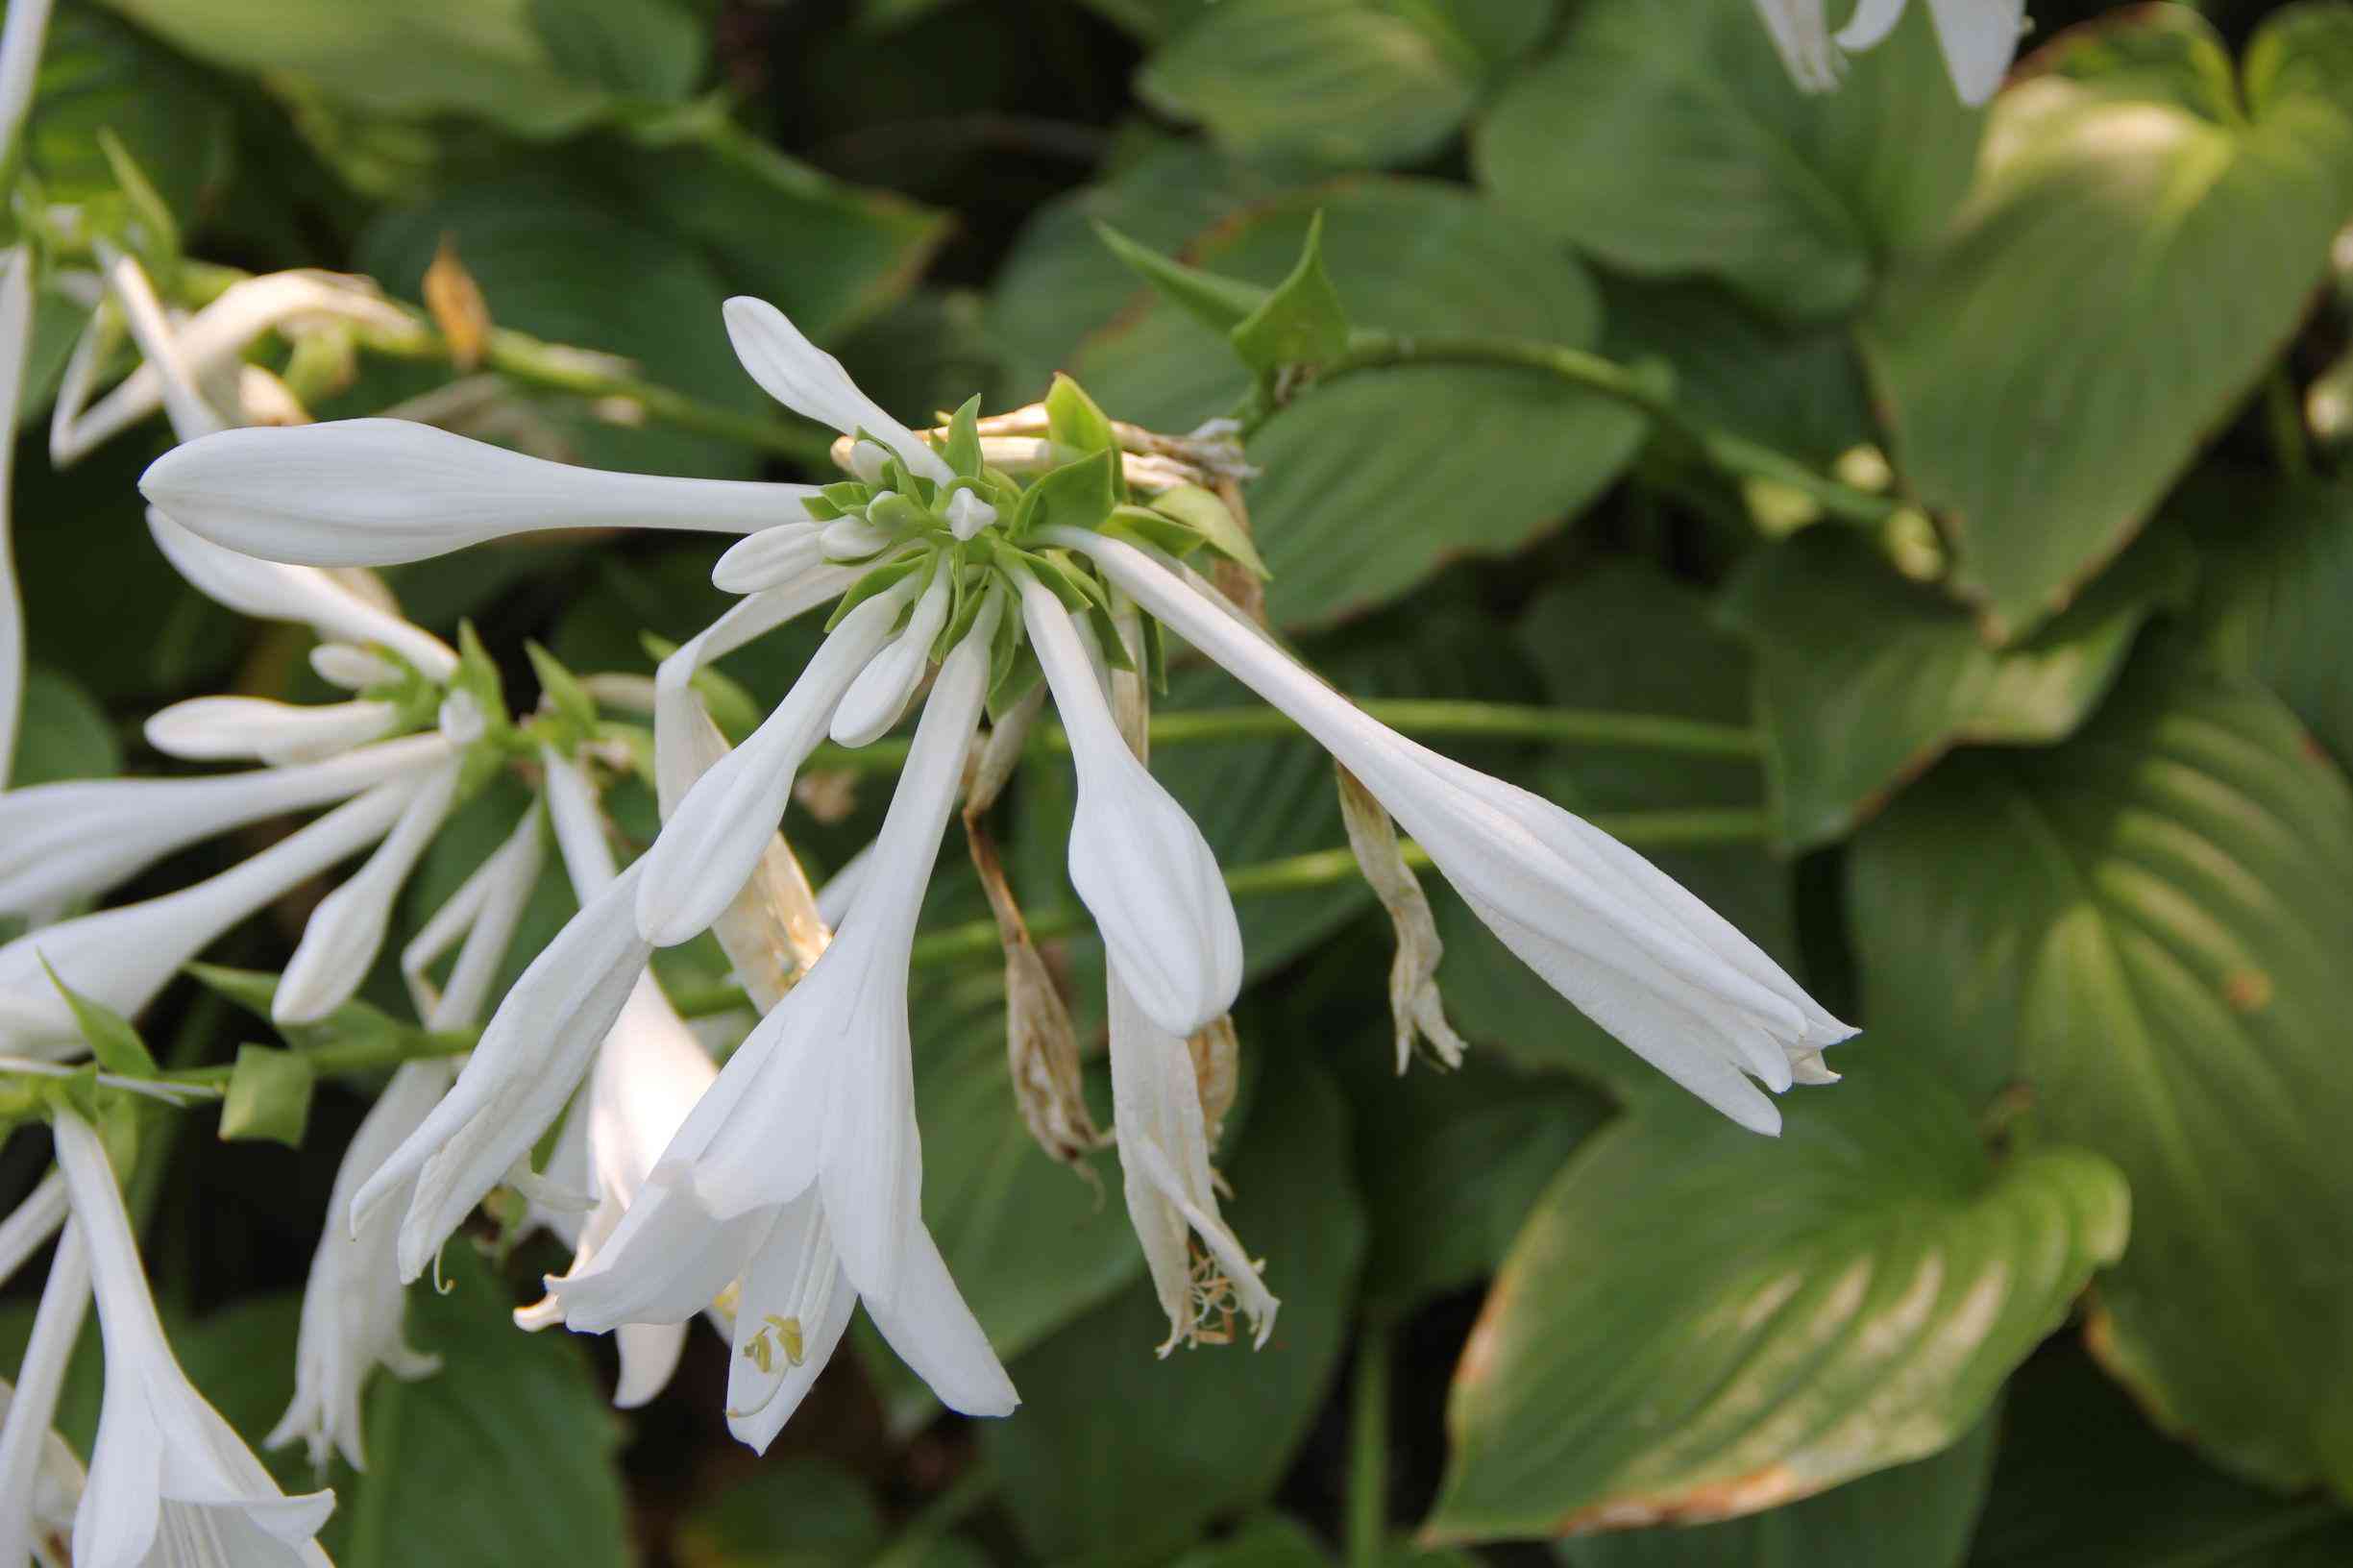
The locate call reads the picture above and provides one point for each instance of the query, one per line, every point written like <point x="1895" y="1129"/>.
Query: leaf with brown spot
<point x="1697" y="1323"/>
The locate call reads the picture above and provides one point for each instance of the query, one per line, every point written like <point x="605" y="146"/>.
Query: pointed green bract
<point x="109" y="1036"/>
<point x="1219" y="303"/>
<point x="1302" y="322"/>
<point x="1073" y="420"/>
<point x="1208" y="518"/>
<point x="1078" y="495"/>
<point x="962" y="452"/>
<point x="562" y="689"/>
<point x="268" y="1096"/>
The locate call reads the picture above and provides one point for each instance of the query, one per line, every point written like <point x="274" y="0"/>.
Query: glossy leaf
<point x="1698" y="1323"/>
<point x="1665" y="138"/>
<point x="2138" y="927"/>
<point x="1865" y="678"/>
<point x="2123" y="272"/>
<point x="1083" y="1479"/>
<point x="2280" y="559"/>
<point x="99" y="74"/>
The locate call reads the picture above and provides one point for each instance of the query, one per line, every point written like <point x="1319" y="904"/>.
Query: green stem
<point x="1368" y="1447"/>
<point x="1495" y="721"/>
<point x="1654" y="395"/>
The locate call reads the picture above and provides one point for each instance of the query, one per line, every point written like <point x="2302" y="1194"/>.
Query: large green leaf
<point x="2122" y="274"/>
<point x="1865" y="678"/>
<point x="804" y="1512"/>
<point x="505" y="1455"/>
<point x="2143" y="926"/>
<point x="1917" y="1515"/>
<point x="486" y="58"/>
<point x="2083" y="1483"/>
<point x="1347" y="512"/>
<point x="99" y="75"/>
<point x="2280" y="574"/>
<point x="1348" y="83"/>
<point x="1665" y="137"/>
<point x="651" y="49"/>
<point x="1698" y="1323"/>
<point x="1090" y="1483"/>
<point x="559" y="262"/>
<point x="62" y="733"/>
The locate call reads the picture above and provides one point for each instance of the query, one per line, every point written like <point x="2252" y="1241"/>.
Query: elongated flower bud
<point x="810" y="382"/>
<point x="769" y="558"/>
<point x="377" y="491"/>
<point x="1140" y="865"/>
<point x="15" y="341"/>
<point x="224" y="728"/>
<point x="345" y="932"/>
<point x="883" y="689"/>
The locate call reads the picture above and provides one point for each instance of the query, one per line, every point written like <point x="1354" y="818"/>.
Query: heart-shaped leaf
<point x="2122" y="273"/>
<point x="2145" y="927"/>
<point x="1698" y="1323"/>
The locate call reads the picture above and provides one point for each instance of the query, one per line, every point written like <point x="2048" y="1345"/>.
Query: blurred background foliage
<point x="2050" y="676"/>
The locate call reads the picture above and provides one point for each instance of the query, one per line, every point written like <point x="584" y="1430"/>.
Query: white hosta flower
<point x="340" y="664"/>
<point x="710" y="845"/>
<point x="191" y="414"/>
<point x="40" y="1481"/>
<point x="273" y="591"/>
<point x="799" y="1173"/>
<point x="1165" y="1166"/>
<point x="353" y="1304"/>
<point x="77" y="837"/>
<point x="346" y="931"/>
<point x="233" y="729"/>
<point x="15" y="341"/>
<point x="20" y="57"/>
<point x="30" y="1224"/>
<point x="1140" y="865"/>
<point x="808" y="381"/>
<point x="1978" y="37"/>
<point x="170" y="1482"/>
<point x="532" y="1056"/>
<point x="1624" y="942"/>
<point x="883" y="689"/>
<point x="122" y="957"/>
<point x="377" y="491"/>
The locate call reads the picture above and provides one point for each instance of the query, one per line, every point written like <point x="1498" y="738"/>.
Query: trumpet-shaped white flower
<point x="83" y="837"/>
<point x="170" y="1482"/>
<point x="1165" y="1166"/>
<point x="1140" y="865"/>
<point x="1978" y="37"/>
<point x="808" y="381"/>
<point x="122" y="957"/>
<point x="15" y="341"/>
<point x="710" y="845"/>
<point x="50" y="1499"/>
<point x="1614" y="934"/>
<point x="20" y="58"/>
<point x="799" y="1173"/>
<point x="346" y="931"/>
<point x="234" y="729"/>
<point x="40" y="1481"/>
<point x="377" y="491"/>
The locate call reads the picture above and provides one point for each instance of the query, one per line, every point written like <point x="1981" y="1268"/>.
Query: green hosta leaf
<point x="831" y="256"/>
<point x="651" y="49"/>
<point x="1086" y="1479"/>
<point x="98" y="75"/>
<point x="1302" y="322"/>
<point x="1665" y="137"/>
<point x="64" y="733"/>
<point x="2280" y="561"/>
<point x="2122" y="274"/>
<point x="1917" y="1515"/>
<point x="1272" y="1542"/>
<point x="1343" y="82"/>
<point x="2140" y="927"/>
<point x="268" y="1096"/>
<point x="1698" y="1323"/>
<point x="1062" y="281"/>
<point x="1865" y="678"/>
<point x="406" y="59"/>
<point x="1348" y="513"/>
<point x="566" y="265"/>
<point x="509" y="1416"/>
<point x="2083" y="1483"/>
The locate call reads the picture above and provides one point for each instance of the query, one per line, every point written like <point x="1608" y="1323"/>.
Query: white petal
<point x="1979" y="38"/>
<point x="35" y="1487"/>
<point x="191" y="416"/>
<point x="936" y="1334"/>
<point x="527" y="1064"/>
<point x="20" y="56"/>
<point x="769" y="558"/>
<point x="484" y="911"/>
<point x="1139" y="864"/>
<point x="968" y="514"/>
<point x="123" y="956"/>
<point x="834" y="899"/>
<point x="274" y="591"/>
<point x="794" y="1285"/>
<point x="346" y="931"/>
<point x="338" y="664"/>
<point x="812" y="382"/>
<point x="223" y="729"/>
<point x="711" y="844"/>
<point x="1802" y="34"/>
<point x="648" y="1355"/>
<point x="580" y="825"/>
<point x="30" y="1224"/>
<point x="1873" y="20"/>
<point x="883" y="689"/>
<point x="376" y="492"/>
